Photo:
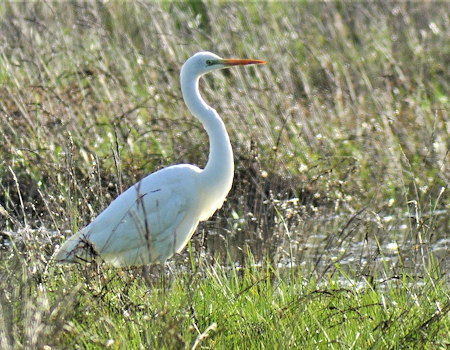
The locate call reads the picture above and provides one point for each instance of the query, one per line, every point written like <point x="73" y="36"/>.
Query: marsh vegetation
<point x="336" y="232"/>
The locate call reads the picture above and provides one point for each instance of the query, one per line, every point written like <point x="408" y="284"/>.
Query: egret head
<point x="204" y="62"/>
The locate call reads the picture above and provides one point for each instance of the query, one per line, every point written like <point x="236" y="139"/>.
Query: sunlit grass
<point x="335" y="234"/>
<point x="220" y="307"/>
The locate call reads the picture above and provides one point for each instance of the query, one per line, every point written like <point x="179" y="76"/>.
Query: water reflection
<point x="360" y="243"/>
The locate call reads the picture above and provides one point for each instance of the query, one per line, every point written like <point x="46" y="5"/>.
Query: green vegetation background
<point x="341" y="145"/>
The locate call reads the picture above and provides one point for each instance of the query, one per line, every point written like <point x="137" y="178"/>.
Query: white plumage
<point x="156" y="217"/>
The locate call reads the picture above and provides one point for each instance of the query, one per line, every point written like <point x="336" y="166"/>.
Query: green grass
<point x="341" y="145"/>
<point x="252" y="306"/>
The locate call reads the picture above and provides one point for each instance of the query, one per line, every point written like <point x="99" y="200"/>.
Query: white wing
<point x="149" y="222"/>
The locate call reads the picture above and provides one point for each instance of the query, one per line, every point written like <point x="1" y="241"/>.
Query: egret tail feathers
<point x="76" y="249"/>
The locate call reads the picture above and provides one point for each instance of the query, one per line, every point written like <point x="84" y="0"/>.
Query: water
<point x="289" y="236"/>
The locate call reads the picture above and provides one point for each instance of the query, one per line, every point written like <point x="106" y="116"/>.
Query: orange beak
<point x="241" y="62"/>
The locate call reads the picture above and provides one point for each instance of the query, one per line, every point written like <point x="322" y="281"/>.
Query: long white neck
<point x="218" y="172"/>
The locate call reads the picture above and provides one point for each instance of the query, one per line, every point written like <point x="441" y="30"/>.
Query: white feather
<point x="156" y="217"/>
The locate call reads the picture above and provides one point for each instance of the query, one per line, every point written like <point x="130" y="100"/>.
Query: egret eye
<point x="170" y="202"/>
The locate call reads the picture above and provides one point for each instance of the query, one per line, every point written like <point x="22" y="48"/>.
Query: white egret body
<point x="156" y="217"/>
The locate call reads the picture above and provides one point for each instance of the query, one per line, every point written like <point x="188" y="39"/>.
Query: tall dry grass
<point x="342" y="137"/>
<point x="341" y="146"/>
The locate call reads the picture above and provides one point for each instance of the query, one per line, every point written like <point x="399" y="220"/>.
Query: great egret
<point x="157" y="216"/>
